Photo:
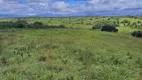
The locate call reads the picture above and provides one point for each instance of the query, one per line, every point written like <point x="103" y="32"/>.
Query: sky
<point x="53" y="8"/>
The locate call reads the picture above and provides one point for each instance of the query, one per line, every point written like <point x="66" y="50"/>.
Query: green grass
<point x="77" y="22"/>
<point x="70" y="54"/>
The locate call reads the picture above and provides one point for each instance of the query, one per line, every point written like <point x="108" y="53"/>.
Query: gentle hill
<point x="72" y="53"/>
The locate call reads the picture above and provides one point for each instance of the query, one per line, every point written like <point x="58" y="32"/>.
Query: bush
<point x="125" y="21"/>
<point x="3" y="61"/>
<point x="97" y="26"/>
<point x="30" y="26"/>
<point x="38" y="25"/>
<point x="137" y="34"/>
<point x="20" y="24"/>
<point x="61" y="26"/>
<point x="42" y="58"/>
<point x="109" y="28"/>
<point x="5" y="24"/>
<point x="24" y="24"/>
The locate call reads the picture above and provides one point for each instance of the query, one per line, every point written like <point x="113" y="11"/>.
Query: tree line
<point x="24" y="24"/>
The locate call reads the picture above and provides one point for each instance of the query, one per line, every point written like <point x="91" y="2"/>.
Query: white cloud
<point x="36" y="1"/>
<point x="59" y="7"/>
<point x="11" y="7"/>
<point x="114" y="4"/>
<point x="8" y="1"/>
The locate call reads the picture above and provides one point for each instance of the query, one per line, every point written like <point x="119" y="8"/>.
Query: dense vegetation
<point x="71" y="53"/>
<point x="137" y="34"/>
<point x="109" y="28"/>
<point x="24" y="24"/>
<point x="86" y="22"/>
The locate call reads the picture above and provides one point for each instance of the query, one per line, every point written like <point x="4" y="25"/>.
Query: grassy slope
<point x="78" y="54"/>
<point x="76" y="22"/>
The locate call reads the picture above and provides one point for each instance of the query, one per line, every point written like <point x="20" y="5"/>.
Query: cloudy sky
<point x="20" y="8"/>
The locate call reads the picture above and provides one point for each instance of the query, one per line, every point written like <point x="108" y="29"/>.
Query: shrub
<point x="109" y="28"/>
<point x="97" y="26"/>
<point x="20" y="24"/>
<point x="5" y="24"/>
<point x="38" y="25"/>
<point x="42" y="58"/>
<point x="30" y="26"/>
<point x="125" y="21"/>
<point x="3" y="60"/>
<point x="137" y="34"/>
<point x="61" y="26"/>
<point x="100" y="25"/>
<point x="24" y="24"/>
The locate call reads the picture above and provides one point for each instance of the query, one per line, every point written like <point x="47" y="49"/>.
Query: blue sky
<point x="49" y="8"/>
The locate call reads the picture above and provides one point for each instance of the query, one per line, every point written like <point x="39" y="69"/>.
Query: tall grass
<point x="69" y="54"/>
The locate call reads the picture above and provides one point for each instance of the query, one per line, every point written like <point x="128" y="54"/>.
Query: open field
<point x="73" y="53"/>
<point x="81" y="22"/>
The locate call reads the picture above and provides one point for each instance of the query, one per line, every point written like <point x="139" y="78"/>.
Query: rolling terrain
<point x="73" y="53"/>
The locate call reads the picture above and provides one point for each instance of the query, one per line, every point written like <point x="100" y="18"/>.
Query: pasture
<point x="73" y="53"/>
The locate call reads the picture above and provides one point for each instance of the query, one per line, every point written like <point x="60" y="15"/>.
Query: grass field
<point x="73" y="53"/>
<point x="78" y="22"/>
